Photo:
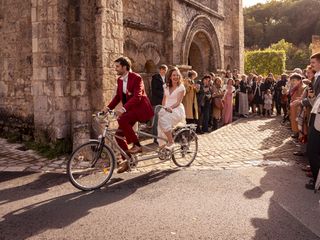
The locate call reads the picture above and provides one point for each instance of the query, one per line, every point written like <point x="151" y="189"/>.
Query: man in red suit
<point x="136" y="107"/>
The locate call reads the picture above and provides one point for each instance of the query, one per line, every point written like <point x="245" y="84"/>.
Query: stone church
<point x="56" y="56"/>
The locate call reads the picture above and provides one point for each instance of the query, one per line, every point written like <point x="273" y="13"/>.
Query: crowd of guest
<point x="215" y="99"/>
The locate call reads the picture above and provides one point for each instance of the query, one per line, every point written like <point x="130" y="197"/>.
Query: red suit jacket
<point x="136" y="97"/>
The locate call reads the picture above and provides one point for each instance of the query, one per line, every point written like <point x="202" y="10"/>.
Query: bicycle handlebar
<point x="103" y="114"/>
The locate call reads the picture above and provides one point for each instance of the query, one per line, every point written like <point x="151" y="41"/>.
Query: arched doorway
<point x="195" y="57"/>
<point x="201" y="54"/>
<point x="201" y="47"/>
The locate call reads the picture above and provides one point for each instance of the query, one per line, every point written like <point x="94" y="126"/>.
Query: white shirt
<point x="163" y="79"/>
<point x="317" y="75"/>
<point x="316" y="106"/>
<point x="125" y="83"/>
<point x="124" y="86"/>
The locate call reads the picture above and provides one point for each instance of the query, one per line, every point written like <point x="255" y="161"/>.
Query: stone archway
<point x="200" y="54"/>
<point x="195" y="58"/>
<point x="201" y="40"/>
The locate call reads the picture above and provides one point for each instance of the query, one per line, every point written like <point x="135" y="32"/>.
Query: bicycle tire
<point x="93" y="146"/>
<point x="191" y="136"/>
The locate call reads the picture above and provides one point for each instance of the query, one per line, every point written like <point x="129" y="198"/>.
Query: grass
<point x="48" y="150"/>
<point x="51" y="150"/>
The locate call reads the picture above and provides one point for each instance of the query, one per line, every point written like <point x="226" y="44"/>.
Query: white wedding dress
<point x="167" y="121"/>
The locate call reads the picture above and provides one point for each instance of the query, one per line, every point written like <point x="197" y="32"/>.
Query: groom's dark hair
<point x="124" y="61"/>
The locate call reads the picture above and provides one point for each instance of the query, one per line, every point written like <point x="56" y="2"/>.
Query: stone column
<point x="109" y="44"/>
<point x="82" y="51"/>
<point x="50" y="85"/>
<point x="239" y="31"/>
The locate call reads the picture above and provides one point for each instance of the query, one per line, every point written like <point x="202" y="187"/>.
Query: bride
<point x="173" y="112"/>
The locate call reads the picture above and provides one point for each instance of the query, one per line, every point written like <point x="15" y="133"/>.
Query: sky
<point x="248" y="3"/>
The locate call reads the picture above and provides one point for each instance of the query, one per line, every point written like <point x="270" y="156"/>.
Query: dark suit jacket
<point x="316" y="86"/>
<point x="156" y="90"/>
<point x="137" y="100"/>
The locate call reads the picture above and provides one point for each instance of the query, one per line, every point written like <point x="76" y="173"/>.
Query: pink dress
<point x="228" y="106"/>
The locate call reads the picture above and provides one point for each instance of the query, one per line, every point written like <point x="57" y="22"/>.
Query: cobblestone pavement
<point x="247" y="142"/>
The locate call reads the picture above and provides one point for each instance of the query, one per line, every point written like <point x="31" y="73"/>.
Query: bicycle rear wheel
<point x="90" y="167"/>
<point x="187" y="148"/>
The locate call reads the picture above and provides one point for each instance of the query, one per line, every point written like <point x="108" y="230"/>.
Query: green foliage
<point x="53" y="150"/>
<point x="12" y="137"/>
<point x="296" y="56"/>
<point x="293" y="20"/>
<point x="266" y="61"/>
<point x="48" y="150"/>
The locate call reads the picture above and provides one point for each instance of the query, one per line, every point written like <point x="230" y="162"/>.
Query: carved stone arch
<point x="201" y="26"/>
<point x="131" y="50"/>
<point x="151" y="55"/>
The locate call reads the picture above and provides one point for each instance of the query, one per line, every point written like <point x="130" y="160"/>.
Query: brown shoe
<point x="135" y="149"/>
<point x="123" y="167"/>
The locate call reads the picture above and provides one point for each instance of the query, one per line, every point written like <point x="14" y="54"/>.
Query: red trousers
<point x="126" y="122"/>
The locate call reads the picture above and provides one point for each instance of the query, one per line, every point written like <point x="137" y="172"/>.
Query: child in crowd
<point x="268" y="102"/>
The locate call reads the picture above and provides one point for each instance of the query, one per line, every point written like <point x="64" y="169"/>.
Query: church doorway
<point x="201" y="54"/>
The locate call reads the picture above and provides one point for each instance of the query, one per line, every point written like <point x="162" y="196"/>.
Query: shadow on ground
<point x="298" y="206"/>
<point x="41" y="185"/>
<point x="42" y="216"/>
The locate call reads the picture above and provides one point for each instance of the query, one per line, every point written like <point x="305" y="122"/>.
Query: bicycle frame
<point x="110" y="136"/>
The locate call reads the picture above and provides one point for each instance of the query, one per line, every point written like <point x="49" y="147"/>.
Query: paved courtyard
<point x="247" y="142"/>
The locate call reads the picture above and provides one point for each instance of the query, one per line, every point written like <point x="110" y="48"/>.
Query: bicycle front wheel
<point x="187" y="148"/>
<point x="90" y="167"/>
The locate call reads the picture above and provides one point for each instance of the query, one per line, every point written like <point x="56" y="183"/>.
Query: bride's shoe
<point x="170" y="146"/>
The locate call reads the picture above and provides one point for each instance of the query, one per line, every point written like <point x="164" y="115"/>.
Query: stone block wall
<point x="50" y="81"/>
<point x="188" y="20"/>
<point x="57" y="56"/>
<point x="16" y="58"/>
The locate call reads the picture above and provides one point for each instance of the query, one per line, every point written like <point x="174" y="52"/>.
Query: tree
<point x="293" y="20"/>
<point x="266" y="61"/>
<point x="295" y="56"/>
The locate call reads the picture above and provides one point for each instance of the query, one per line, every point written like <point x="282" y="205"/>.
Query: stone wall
<point x="188" y="21"/>
<point x="56" y="57"/>
<point x="50" y="82"/>
<point x="16" y="58"/>
<point x="144" y="27"/>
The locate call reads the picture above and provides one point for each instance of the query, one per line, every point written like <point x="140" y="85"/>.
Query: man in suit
<point x="157" y="82"/>
<point x="136" y="107"/>
<point x="313" y="147"/>
<point x="278" y="94"/>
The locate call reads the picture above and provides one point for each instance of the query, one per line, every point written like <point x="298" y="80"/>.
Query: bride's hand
<point x="168" y="109"/>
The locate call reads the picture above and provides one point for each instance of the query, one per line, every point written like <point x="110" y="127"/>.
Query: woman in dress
<point x="173" y="112"/>
<point x="243" y="97"/>
<point x="228" y="100"/>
